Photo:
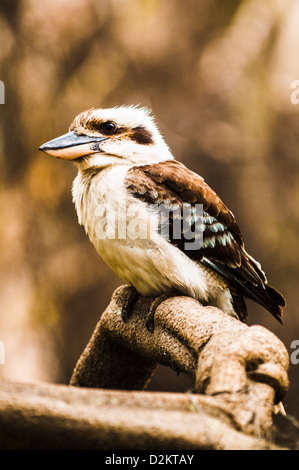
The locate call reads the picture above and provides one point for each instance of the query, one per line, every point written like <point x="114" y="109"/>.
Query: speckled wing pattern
<point x="222" y="248"/>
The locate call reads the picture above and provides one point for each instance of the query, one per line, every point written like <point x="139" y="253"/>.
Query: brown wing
<point x="172" y="183"/>
<point x="222" y="248"/>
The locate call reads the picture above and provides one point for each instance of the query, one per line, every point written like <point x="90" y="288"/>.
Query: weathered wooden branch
<point x="243" y="367"/>
<point x="47" y="416"/>
<point x="239" y="374"/>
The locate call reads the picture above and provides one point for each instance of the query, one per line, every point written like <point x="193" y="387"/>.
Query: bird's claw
<point x="150" y="322"/>
<point x="127" y="303"/>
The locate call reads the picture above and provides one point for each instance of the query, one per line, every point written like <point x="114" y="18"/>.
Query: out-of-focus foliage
<point x="217" y="76"/>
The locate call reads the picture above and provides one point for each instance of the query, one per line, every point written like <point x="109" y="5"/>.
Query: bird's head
<point x="105" y="137"/>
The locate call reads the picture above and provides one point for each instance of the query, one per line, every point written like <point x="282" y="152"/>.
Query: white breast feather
<point x="148" y="262"/>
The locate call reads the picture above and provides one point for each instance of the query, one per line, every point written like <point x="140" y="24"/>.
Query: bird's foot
<point x="150" y="324"/>
<point x="130" y="296"/>
<point x="127" y="303"/>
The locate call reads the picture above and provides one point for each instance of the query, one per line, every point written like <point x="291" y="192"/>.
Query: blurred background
<point x="218" y="77"/>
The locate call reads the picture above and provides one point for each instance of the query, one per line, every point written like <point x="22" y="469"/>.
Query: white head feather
<point x="137" y="142"/>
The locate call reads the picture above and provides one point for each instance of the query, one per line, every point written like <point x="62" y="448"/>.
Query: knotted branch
<point x="243" y="368"/>
<point x="239" y="373"/>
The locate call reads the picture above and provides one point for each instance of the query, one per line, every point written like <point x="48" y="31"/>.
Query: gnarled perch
<point x="239" y="374"/>
<point x="243" y="368"/>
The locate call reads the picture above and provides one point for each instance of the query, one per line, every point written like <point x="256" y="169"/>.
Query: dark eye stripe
<point x="138" y="134"/>
<point x="141" y="135"/>
<point x="104" y="127"/>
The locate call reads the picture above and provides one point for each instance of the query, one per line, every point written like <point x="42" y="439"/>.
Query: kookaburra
<point x="126" y="176"/>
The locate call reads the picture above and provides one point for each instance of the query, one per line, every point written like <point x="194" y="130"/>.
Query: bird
<point x="158" y="225"/>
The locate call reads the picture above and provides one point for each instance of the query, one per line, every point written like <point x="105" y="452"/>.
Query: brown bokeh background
<point x="218" y="77"/>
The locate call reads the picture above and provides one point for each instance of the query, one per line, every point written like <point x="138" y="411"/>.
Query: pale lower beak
<point x="71" y="146"/>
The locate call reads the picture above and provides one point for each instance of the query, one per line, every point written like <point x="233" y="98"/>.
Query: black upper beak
<point x="71" y="146"/>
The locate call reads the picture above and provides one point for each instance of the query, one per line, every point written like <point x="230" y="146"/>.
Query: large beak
<point x="71" y="146"/>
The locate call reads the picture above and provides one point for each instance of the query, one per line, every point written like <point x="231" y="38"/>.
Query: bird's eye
<point x="108" y="127"/>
